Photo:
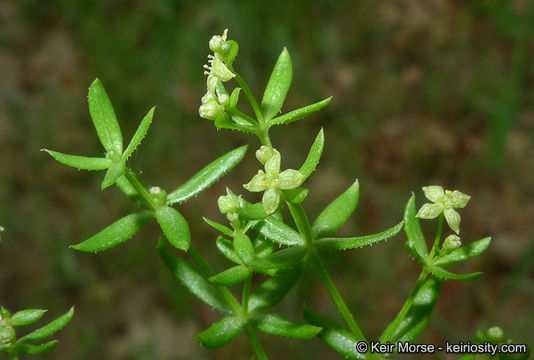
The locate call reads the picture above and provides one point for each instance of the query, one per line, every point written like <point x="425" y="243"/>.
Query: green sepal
<point x="274" y="289"/>
<point x="229" y="51"/>
<point x="226" y="247"/>
<point x="279" y="260"/>
<point x="80" y="162"/>
<point x="192" y="279"/>
<point x="447" y="275"/>
<point x="46" y="348"/>
<point x="174" y="227"/>
<point x="244" y="248"/>
<point x="221" y="333"/>
<point x="464" y="253"/>
<point x="277" y="87"/>
<point x="339" y="339"/>
<point x="234" y="97"/>
<point x="357" y="242"/>
<point x="274" y="324"/>
<point x="139" y="135"/>
<point x="26" y="317"/>
<point x="337" y="213"/>
<point x="118" y="232"/>
<point x="296" y="196"/>
<point x="253" y="211"/>
<point x="231" y="276"/>
<point x="104" y="119"/>
<point x="418" y="315"/>
<point x="48" y="329"/>
<point x="223" y="229"/>
<point x="275" y="230"/>
<point x="314" y="155"/>
<point x="416" y="242"/>
<point x="299" y="113"/>
<point x="207" y="176"/>
<point x="112" y="175"/>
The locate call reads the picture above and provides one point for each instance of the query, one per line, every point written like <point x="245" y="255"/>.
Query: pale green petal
<point x="272" y="166"/>
<point x="257" y="183"/>
<point x="453" y="219"/>
<point x="290" y="179"/>
<point x="220" y="70"/>
<point x="270" y="200"/>
<point x="434" y="193"/>
<point x="429" y="211"/>
<point x="264" y="153"/>
<point x="459" y="199"/>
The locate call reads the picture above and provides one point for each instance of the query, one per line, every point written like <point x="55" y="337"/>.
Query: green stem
<point x="263" y="135"/>
<point x="12" y="355"/>
<point x="302" y="222"/>
<point x="439" y="232"/>
<point x="394" y="325"/>
<point x="246" y="293"/>
<point x="208" y="271"/>
<point x="141" y="190"/>
<point x="256" y="344"/>
<point x="334" y="294"/>
<point x="249" y="96"/>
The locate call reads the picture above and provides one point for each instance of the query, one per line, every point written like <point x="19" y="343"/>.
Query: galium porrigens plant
<point x="258" y="239"/>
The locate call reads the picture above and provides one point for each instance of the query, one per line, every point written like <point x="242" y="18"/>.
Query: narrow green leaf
<point x="279" y="260"/>
<point x="226" y="247"/>
<point x="337" y="213"/>
<point x="104" y="119"/>
<point x="231" y="276"/>
<point x="220" y="333"/>
<point x="174" y="227"/>
<point x="80" y="162"/>
<point x="47" y="330"/>
<point x="417" y="317"/>
<point x="416" y="239"/>
<point x="314" y="155"/>
<point x="273" y="290"/>
<point x="229" y="49"/>
<point x="118" y="232"/>
<point x="279" y="232"/>
<point x="337" y="338"/>
<point x="357" y="242"/>
<point x="464" y="253"/>
<point x="130" y="191"/>
<point x="192" y="279"/>
<point x="274" y="324"/>
<point x="253" y="211"/>
<point x="47" y="348"/>
<point x="26" y="317"/>
<point x="300" y="113"/>
<point x="207" y="176"/>
<point x="244" y="248"/>
<point x="112" y="175"/>
<point x="139" y="135"/>
<point x="223" y="229"/>
<point x="444" y="274"/>
<point x="296" y="196"/>
<point x="234" y="98"/>
<point x="264" y="247"/>
<point x="277" y="87"/>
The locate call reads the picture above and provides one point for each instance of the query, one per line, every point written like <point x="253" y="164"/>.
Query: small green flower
<point x="443" y="201"/>
<point x="272" y="181"/>
<point x="495" y="334"/>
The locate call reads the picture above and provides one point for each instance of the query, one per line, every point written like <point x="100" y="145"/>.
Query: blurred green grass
<point x="424" y="92"/>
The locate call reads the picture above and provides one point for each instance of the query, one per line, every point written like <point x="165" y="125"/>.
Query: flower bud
<point x="210" y="110"/>
<point x="7" y="334"/>
<point x="264" y="153"/>
<point x="216" y="41"/>
<point x="451" y="243"/>
<point x="159" y="195"/>
<point x="228" y="204"/>
<point x="495" y="334"/>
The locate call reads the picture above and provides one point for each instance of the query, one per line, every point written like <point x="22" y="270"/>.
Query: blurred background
<point x="425" y="92"/>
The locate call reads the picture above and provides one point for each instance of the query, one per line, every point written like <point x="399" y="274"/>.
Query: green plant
<point x="13" y="346"/>
<point x="256" y="231"/>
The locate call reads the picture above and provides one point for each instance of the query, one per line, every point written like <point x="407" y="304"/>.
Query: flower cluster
<point x="443" y="201"/>
<point x="216" y="98"/>
<point x="272" y="181"/>
<point x="229" y="205"/>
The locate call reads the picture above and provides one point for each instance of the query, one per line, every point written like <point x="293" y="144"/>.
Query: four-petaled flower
<point x="272" y="181"/>
<point x="443" y="201"/>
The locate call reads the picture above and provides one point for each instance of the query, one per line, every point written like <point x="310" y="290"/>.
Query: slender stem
<point x="141" y="190"/>
<point x="250" y="97"/>
<point x="302" y="222"/>
<point x="208" y="271"/>
<point x="264" y="137"/>
<point x="439" y="232"/>
<point x="255" y="341"/>
<point x="246" y="292"/>
<point x="393" y="326"/>
<point x="336" y="297"/>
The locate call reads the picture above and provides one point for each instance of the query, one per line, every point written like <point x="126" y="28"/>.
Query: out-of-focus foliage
<point x="425" y="91"/>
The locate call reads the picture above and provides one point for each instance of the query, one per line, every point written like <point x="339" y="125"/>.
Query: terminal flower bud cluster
<point x="230" y="204"/>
